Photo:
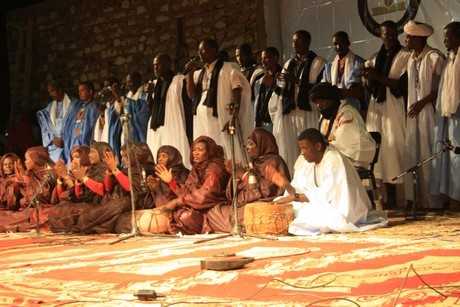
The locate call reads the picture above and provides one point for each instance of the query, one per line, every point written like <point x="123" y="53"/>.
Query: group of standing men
<point x="409" y="95"/>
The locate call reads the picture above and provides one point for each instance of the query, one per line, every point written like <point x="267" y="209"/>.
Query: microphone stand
<point x="35" y="203"/>
<point x="125" y="117"/>
<point x="415" y="176"/>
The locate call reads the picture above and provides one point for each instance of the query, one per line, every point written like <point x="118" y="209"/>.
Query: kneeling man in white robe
<point x="329" y="195"/>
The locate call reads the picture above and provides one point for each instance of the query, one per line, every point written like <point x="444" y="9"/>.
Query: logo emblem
<point x="409" y="7"/>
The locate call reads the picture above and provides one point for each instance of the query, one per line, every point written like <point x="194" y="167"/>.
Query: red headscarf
<point x="265" y="142"/>
<point x="39" y="155"/>
<point x="83" y="151"/>
<point x="174" y="158"/>
<point x="214" y="152"/>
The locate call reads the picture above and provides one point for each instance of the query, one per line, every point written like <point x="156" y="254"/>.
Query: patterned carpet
<point x="406" y="264"/>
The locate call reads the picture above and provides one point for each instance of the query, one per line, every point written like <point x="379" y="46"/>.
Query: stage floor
<point x="393" y="266"/>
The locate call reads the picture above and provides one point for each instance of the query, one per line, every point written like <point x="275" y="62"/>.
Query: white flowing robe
<point x="101" y="134"/>
<point x="286" y="127"/>
<point x="445" y="177"/>
<point x="173" y="131"/>
<point x="204" y="123"/>
<point x="352" y="75"/>
<point x="389" y="119"/>
<point x="349" y="135"/>
<point x="337" y="202"/>
<point x="423" y="74"/>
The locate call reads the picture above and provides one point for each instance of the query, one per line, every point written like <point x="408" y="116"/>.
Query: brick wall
<point x="76" y="40"/>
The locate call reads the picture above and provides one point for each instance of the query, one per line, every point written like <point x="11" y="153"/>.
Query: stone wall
<point x="72" y="40"/>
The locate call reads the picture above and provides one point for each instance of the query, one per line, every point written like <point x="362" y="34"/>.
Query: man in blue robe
<point x="79" y="129"/>
<point x="445" y="175"/>
<point x="345" y="71"/>
<point x="54" y="118"/>
<point x="135" y="104"/>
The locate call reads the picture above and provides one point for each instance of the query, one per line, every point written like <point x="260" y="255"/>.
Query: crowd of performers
<point x="301" y="130"/>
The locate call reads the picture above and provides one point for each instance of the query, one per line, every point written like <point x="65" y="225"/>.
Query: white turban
<point x="418" y="29"/>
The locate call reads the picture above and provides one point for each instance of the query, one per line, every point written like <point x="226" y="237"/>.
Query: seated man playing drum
<point x="329" y="195"/>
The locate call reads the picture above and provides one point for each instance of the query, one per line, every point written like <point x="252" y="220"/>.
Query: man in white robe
<point x="345" y="71"/>
<point x="329" y="195"/>
<point x="387" y="84"/>
<point x="445" y="178"/>
<point x="291" y="110"/>
<point x="342" y="125"/>
<point x="423" y="73"/>
<point x="218" y="90"/>
<point x="166" y="124"/>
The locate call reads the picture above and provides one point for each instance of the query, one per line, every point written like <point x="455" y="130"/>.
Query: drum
<point x="153" y="220"/>
<point x="267" y="218"/>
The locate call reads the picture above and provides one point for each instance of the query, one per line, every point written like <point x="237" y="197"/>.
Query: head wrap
<point x="10" y="155"/>
<point x="83" y="151"/>
<point x="39" y="155"/>
<point x="265" y="142"/>
<point x="418" y="29"/>
<point x="213" y="151"/>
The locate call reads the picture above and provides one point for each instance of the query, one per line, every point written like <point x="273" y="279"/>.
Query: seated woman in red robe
<point x="39" y="179"/>
<point x="117" y="197"/>
<point x="159" y="193"/>
<point x="9" y="188"/>
<point x="203" y="189"/>
<point x="36" y="185"/>
<point x="169" y="160"/>
<point x="264" y="181"/>
<point x="77" y="190"/>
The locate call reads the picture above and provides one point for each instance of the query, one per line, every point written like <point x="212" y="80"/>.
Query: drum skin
<point x="153" y="220"/>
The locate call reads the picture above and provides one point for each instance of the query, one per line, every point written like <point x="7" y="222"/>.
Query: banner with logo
<point x="322" y="18"/>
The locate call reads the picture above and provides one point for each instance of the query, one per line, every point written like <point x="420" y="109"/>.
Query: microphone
<point x="252" y="178"/>
<point x="448" y="146"/>
<point x="192" y="60"/>
<point x="144" y="180"/>
<point x="104" y="92"/>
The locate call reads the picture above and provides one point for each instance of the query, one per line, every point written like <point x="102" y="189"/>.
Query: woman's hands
<point x="163" y="173"/>
<point x="110" y="161"/>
